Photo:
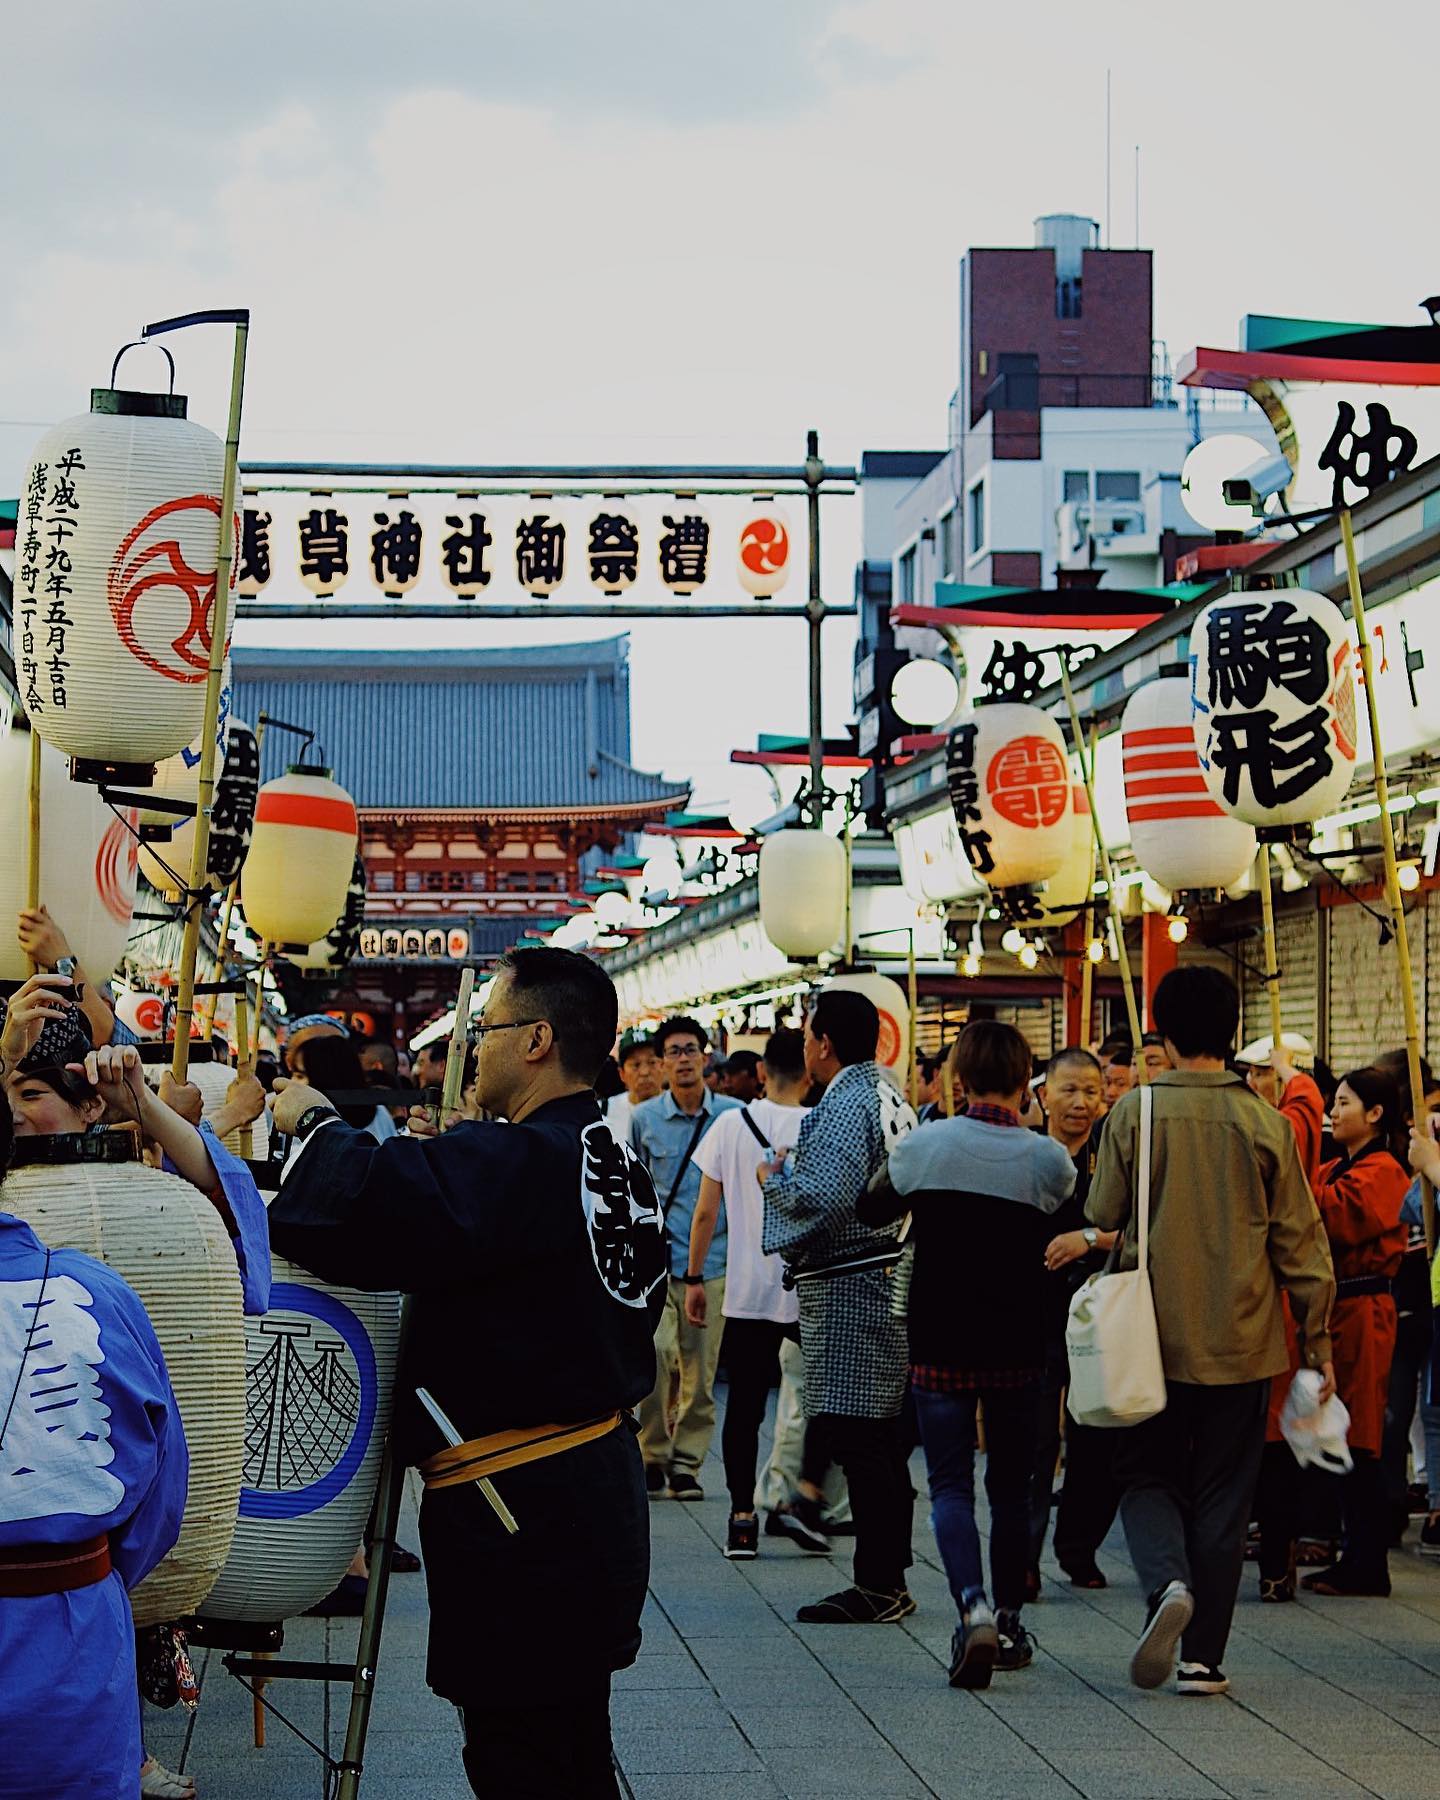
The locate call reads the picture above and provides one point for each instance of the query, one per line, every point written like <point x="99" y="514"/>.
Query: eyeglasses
<point x="678" y="1052"/>
<point x="504" y="1025"/>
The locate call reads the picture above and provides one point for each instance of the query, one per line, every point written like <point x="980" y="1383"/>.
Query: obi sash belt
<point x="479" y="1458"/>
<point x="28" y="1570"/>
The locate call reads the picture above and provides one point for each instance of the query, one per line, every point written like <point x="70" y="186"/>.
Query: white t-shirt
<point x="617" y="1116"/>
<point x="729" y="1154"/>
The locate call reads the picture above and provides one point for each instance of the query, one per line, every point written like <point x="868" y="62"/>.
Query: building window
<point x="1117" y="484"/>
<point x="977" y="518"/>
<point x="948" y="546"/>
<point x="1068" y="298"/>
<point x="1077" y="485"/>
<point x="907" y="577"/>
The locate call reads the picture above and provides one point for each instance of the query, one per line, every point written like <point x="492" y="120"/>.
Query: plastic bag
<point x="1317" y="1434"/>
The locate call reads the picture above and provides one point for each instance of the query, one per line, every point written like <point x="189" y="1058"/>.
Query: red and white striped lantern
<point x="296" y="874"/>
<point x="765" y="552"/>
<point x="117" y="545"/>
<point x="1179" y="834"/>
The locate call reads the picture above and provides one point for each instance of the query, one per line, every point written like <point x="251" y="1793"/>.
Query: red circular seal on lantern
<point x="116" y="862"/>
<point x="1028" y="783"/>
<point x="765" y="545"/>
<point x="150" y="577"/>
<point x="887" y="1050"/>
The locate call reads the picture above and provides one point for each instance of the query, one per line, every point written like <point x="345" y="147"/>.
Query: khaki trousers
<point x="695" y="1352"/>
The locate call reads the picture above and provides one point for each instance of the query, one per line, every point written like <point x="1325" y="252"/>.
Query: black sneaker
<point x="799" y="1520"/>
<point x="654" y="1479"/>
<point x="1201" y="1678"/>
<point x="685" y="1487"/>
<point x="1343" y="1580"/>
<point x="858" y="1606"/>
<point x="1085" y="1575"/>
<point x="974" y="1648"/>
<point x="742" y="1539"/>
<point x="1430" y="1536"/>
<point x="1154" y="1658"/>
<point x="1017" y="1647"/>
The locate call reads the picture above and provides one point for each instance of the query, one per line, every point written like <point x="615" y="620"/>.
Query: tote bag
<point x="1117" y="1376"/>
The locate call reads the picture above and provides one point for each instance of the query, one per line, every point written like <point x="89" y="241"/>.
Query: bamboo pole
<point x="455" y="1056"/>
<point x="208" y="1034"/>
<point x="1132" y="1012"/>
<point x="1418" y="1110"/>
<point x="1087" y="968"/>
<point x="243" y="1064"/>
<point x="259" y="997"/>
<point x="219" y="634"/>
<point x="32" y="883"/>
<point x="1272" y="960"/>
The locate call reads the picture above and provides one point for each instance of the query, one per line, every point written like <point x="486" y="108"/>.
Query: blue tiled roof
<point x="548" y="726"/>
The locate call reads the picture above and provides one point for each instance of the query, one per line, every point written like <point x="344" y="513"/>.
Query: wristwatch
<point x="693" y="1280"/>
<point x="1090" y="1235"/>
<point x="310" y="1118"/>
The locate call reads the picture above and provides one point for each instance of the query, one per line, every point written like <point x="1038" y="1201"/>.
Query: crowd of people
<point x="780" y="1217"/>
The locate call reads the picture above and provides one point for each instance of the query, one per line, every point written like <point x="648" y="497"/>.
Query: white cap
<point x="1300" y="1050"/>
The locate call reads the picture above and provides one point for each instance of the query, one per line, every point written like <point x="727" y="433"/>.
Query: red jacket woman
<point x="1360" y="1195"/>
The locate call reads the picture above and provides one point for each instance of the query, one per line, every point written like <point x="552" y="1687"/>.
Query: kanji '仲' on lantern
<point x="1180" y="835"/>
<point x="1009" y="781"/>
<point x="1273" y="688"/>
<point x="294" y="881"/>
<point x="117" y="545"/>
<point x="802" y="892"/>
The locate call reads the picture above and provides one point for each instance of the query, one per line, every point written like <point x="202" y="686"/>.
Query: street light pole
<point x="815" y="615"/>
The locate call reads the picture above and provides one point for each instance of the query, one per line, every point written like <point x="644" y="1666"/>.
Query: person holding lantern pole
<point x="533" y="1245"/>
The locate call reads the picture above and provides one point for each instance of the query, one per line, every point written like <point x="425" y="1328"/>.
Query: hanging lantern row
<point x="476" y="546"/>
<point x="116" y="549"/>
<point x="1179" y="833"/>
<point x="87" y="861"/>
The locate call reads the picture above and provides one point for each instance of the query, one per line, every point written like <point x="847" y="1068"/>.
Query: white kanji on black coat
<point x="622" y="1213"/>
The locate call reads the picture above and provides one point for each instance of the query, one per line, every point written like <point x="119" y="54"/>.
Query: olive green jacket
<point x="1232" y="1223"/>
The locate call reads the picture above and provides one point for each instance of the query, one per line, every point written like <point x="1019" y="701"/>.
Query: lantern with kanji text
<point x="116" y="550"/>
<point x="1273" y="690"/>
<point x="1179" y="833"/>
<point x="1010" y="783"/>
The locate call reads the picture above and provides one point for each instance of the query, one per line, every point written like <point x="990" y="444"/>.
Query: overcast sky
<point x="487" y="230"/>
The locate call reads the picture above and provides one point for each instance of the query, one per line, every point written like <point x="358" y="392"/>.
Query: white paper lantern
<point x="141" y="1013"/>
<point x="541" y="550"/>
<point x="1177" y="831"/>
<point x="112" y="639"/>
<point x="170" y="1244"/>
<point x="301" y="855"/>
<point x="178" y="777"/>
<point x="684" y="548"/>
<point x="888" y="999"/>
<point x="213" y="1080"/>
<point x="87" y="861"/>
<point x="1010" y="784"/>
<point x="320" y="1371"/>
<point x="1273" y="688"/>
<point x="612" y="546"/>
<point x="1068" y="889"/>
<point x="765" y="552"/>
<point x="802" y="892"/>
<point x="165" y="854"/>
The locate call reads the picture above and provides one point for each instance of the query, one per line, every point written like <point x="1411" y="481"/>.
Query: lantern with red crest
<point x="117" y="544"/>
<point x="765" y="552"/>
<point x="298" y="869"/>
<point x="1010" y="787"/>
<point x="1273" y="688"/>
<point x="1179" y="833"/>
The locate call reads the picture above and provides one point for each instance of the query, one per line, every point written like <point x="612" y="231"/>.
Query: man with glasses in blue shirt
<point x="664" y="1133"/>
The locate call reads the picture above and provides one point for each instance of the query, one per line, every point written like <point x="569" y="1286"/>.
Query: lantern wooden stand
<point x="1418" y="1110"/>
<point x="219" y="632"/>
<point x="1132" y="1011"/>
<point x="1272" y="961"/>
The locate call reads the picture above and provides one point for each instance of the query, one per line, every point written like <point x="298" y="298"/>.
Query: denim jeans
<point x="948" y="1431"/>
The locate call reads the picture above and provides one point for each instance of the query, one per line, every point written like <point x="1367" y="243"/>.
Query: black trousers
<point x="752" y="1367"/>
<point x="1189" y="1477"/>
<point x="541" y="1752"/>
<point x="1090" y="1497"/>
<point x="1408" y="1367"/>
<point x="870" y="1453"/>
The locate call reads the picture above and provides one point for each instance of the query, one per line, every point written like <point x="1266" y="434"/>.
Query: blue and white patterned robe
<point x="856" y="1350"/>
<point x="93" y="1444"/>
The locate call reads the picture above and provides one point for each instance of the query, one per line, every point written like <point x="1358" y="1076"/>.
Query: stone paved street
<point x="730" y="1700"/>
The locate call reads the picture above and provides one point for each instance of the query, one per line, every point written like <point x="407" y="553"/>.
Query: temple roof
<point x="547" y="726"/>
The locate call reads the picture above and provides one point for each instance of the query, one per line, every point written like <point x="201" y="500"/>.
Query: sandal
<point x="159" y="1783"/>
<point x="1275" y="1589"/>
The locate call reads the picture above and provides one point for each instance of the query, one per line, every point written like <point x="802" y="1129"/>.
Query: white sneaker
<point x="1154" y="1658"/>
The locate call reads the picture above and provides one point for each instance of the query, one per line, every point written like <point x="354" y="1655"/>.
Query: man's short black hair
<point x="1073" y="1056"/>
<point x="785" y="1054"/>
<point x="1153" y="1037"/>
<point x="992" y="1058"/>
<point x="633" y="1047"/>
<point x="742" y="1062"/>
<point x="849" y="1020"/>
<point x="1198" y="1010"/>
<point x="679" y="1026"/>
<point x="1119" y="1043"/>
<point x="575" y="995"/>
<point x="930" y="1066"/>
